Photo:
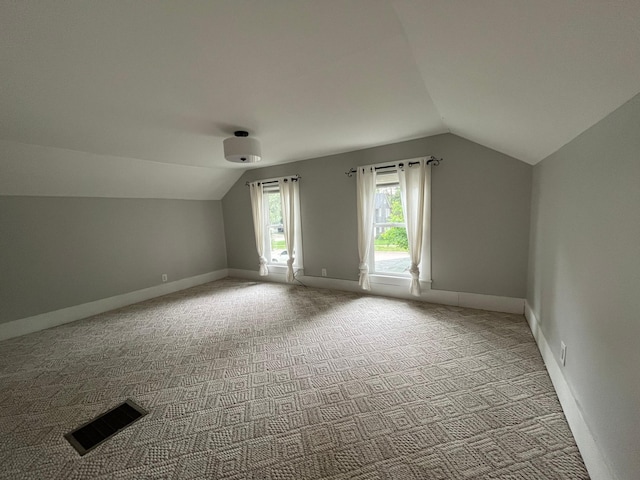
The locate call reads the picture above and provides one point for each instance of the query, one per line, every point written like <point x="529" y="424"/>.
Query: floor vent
<point x="93" y="433"/>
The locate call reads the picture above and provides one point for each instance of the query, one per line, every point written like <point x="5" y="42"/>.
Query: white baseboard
<point x="593" y="458"/>
<point x="491" y="302"/>
<point x="379" y="287"/>
<point x="23" y="326"/>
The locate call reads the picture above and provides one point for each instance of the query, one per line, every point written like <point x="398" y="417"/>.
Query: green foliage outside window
<point x="275" y="208"/>
<point x="394" y="236"/>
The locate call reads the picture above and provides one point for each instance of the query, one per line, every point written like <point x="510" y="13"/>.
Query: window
<point x="275" y="207"/>
<point x="276" y="246"/>
<point x="390" y="247"/>
<point x="394" y="218"/>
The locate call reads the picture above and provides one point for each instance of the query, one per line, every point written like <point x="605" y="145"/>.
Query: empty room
<point x="320" y="239"/>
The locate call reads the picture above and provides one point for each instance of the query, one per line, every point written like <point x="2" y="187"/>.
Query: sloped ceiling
<point x="134" y="98"/>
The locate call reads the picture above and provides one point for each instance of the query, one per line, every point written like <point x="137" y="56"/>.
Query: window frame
<point x="381" y="274"/>
<point x="268" y="252"/>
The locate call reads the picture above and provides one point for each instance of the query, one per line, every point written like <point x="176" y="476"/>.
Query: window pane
<point x="387" y="202"/>
<point x="277" y="244"/>
<point x="275" y="207"/>
<point x="391" y="249"/>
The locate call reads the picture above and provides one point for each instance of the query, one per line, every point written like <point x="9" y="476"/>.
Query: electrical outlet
<point x="164" y="277"/>
<point x="324" y="272"/>
<point x="563" y="353"/>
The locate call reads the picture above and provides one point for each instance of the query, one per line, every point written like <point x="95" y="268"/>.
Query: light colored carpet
<point x="269" y="381"/>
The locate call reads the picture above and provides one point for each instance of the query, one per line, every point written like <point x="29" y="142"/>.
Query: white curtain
<point x="289" y="194"/>
<point x="257" y="208"/>
<point x="415" y="195"/>
<point x="366" y="186"/>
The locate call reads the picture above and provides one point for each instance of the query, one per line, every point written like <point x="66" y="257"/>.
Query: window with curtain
<point x="275" y="245"/>
<point x="394" y="222"/>
<point x="275" y="206"/>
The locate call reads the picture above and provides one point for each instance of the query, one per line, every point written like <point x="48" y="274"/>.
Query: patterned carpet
<point x="270" y="381"/>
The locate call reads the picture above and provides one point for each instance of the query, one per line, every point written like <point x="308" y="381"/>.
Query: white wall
<point x="584" y="277"/>
<point x="58" y="252"/>
<point x="480" y="215"/>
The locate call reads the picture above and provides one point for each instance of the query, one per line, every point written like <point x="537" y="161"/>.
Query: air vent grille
<point x="93" y="433"/>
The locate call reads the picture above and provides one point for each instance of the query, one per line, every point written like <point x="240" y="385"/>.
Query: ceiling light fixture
<point x="241" y="148"/>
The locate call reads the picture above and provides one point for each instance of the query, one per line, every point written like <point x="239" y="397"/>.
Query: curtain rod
<point x="293" y="178"/>
<point x="431" y="161"/>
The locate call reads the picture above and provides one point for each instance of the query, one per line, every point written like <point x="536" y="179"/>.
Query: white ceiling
<point x="150" y="89"/>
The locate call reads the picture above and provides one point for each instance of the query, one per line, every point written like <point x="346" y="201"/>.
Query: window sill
<point x="282" y="269"/>
<point x="396" y="280"/>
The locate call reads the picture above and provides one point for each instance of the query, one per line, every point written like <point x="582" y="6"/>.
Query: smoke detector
<point x="242" y="149"/>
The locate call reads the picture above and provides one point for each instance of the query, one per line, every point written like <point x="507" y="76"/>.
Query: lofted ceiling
<point x="133" y="99"/>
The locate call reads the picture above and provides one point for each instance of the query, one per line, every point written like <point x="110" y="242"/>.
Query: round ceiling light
<point x="241" y="148"/>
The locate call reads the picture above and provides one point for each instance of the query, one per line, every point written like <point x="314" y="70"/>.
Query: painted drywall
<point x="480" y="214"/>
<point x="37" y="171"/>
<point x="58" y="252"/>
<point x="584" y="276"/>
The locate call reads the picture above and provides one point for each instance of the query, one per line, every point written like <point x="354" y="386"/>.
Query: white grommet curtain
<point x="366" y="186"/>
<point x="257" y="208"/>
<point x="415" y="194"/>
<point x="289" y="196"/>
